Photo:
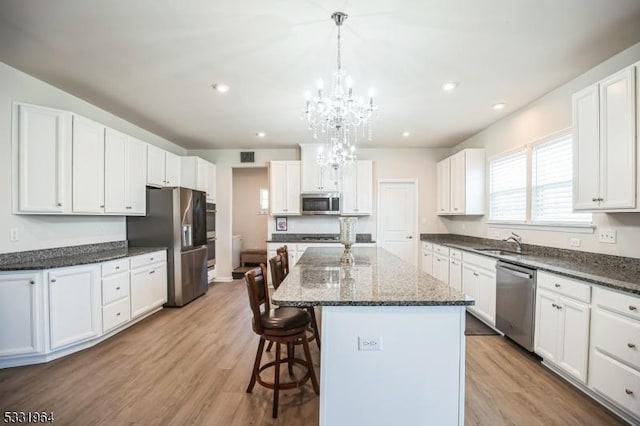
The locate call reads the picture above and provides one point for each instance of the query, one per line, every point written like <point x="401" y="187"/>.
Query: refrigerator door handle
<point x="187" y="236"/>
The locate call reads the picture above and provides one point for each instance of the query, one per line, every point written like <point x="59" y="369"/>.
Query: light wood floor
<point x="192" y="366"/>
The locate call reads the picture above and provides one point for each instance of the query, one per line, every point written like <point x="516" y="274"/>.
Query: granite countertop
<point x="378" y="278"/>
<point x="32" y="261"/>
<point x="616" y="272"/>
<point x="316" y="238"/>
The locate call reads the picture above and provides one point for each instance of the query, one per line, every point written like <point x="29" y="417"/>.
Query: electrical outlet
<point x="14" y="234"/>
<point x="575" y="242"/>
<point x="608" y="236"/>
<point x="369" y="343"/>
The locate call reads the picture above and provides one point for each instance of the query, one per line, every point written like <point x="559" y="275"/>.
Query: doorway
<point x="398" y="218"/>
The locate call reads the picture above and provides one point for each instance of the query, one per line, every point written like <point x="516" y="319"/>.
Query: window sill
<point x="576" y="228"/>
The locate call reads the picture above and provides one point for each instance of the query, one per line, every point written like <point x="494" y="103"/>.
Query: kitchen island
<point x="393" y="348"/>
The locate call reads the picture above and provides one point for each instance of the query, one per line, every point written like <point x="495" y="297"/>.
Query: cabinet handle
<point x="475" y="274"/>
<point x="117" y="267"/>
<point x="152" y="272"/>
<point x="594" y="199"/>
<point x="129" y="207"/>
<point x="455" y="208"/>
<point x="53" y="280"/>
<point x="558" y="306"/>
<point x="628" y="391"/>
<point x="151" y="259"/>
<point x="600" y="199"/>
<point x="102" y="206"/>
<point x="118" y="314"/>
<point x="631" y="345"/>
<point x="409" y="237"/>
<point x="117" y="288"/>
<point x="554" y="305"/>
<point x="632" y="308"/>
<point x="557" y="285"/>
<point x="59" y="204"/>
<point x="32" y="282"/>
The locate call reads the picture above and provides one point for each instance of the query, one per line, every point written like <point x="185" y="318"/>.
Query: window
<point x="542" y="197"/>
<point x="264" y="201"/>
<point x="508" y="187"/>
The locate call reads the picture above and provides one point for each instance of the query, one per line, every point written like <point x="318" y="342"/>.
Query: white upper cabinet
<point x="316" y="178"/>
<point x="211" y="183"/>
<point x="357" y="189"/>
<point x="125" y="174"/>
<point x="605" y="144"/>
<point x="461" y="183"/>
<point x="42" y="160"/>
<point x="200" y="175"/>
<point x="444" y="186"/>
<point x="88" y="166"/>
<point x="284" y="187"/>
<point x="163" y="168"/>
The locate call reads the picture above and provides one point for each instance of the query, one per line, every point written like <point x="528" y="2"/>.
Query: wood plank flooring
<point x="192" y="366"/>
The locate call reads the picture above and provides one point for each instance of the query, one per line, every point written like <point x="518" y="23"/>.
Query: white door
<point x="573" y="348"/>
<point x="136" y="172"/>
<point x="20" y="312"/>
<point x="444" y="186"/>
<point x="586" y="149"/>
<point x="115" y="182"/>
<point x="88" y="166"/>
<point x="155" y="166"/>
<point x="546" y="328"/>
<point x="397" y="228"/>
<point x="172" y="169"/>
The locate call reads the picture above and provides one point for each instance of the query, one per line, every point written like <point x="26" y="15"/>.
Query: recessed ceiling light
<point x="261" y="134"/>
<point x="449" y="86"/>
<point x="406" y="134"/>
<point x="499" y="105"/>
<point x="220" y="87"/>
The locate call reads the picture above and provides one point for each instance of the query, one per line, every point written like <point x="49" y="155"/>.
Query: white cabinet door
<point x="20" y="313"/>
<point x="314" y="176"/>
<point x="441" y="268"/>
<point x="455" y="274"/>
<point x="457" y="183"/>
<point x="155" y="166"/>
<point x="470" y="285"/>
<point x="284" y="187"/>
<point x="444" y="186"/>
<point x="427" y="262"/>
<point x="617" y="141"/>
<point x="142" y="292"/>
<point x="172" y="169"/>
<point x="115" y="178"/>
<point x="573" y="339"/>
<point x="357" y="189"/>
<point x="486" y="302"/>
<point x="74" y="305"/>
<point x="159" y="281"/>
<point x="136" y="168"/>
<point x="44" y="160"/>
<point x="547" y="324"/>
<point x="586" y="149"/>
<point x="211" y="183"/>
<point x="202" y="175"/>
<point x="88" y="166"/>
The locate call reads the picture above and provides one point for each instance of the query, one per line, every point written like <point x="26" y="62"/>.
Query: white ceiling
<point x="152" y="61"/>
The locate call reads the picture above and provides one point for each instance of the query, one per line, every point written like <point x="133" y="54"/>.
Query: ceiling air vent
<point x="247" y="157"/>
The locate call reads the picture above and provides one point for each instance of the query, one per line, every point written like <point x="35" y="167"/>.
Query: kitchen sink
<point x="499" y="252"/>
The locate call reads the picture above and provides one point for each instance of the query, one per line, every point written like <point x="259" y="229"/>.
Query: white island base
<point x="416" y="377"/>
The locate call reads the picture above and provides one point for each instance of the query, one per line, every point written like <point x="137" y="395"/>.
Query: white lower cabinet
<point x="116" y="304"/>
<point x="427" y="258"/>
<point x="455" y="274"/>
<point x="21" y="308"/>
<point x="479" y="282"/>
<point x="441" y="268"/>
<point x="148" y="283"/>
<point x="74" y="305"/>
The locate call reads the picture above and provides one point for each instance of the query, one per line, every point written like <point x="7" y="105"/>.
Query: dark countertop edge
<point x="593" y="279"/>
<point x="374" y="303"/>
<point x="76" y="260"/>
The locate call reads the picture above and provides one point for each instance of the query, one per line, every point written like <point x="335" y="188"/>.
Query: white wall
<point x="247" y="223"/>
<point x="542" y="117"/>
<point x="416" y="163"/>
<point x="39" y="232"/>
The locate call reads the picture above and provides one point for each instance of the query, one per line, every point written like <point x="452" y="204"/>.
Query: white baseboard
<point x="223" y="279"/>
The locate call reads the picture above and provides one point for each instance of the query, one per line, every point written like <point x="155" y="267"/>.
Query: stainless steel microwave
<point x="320" y="203"/>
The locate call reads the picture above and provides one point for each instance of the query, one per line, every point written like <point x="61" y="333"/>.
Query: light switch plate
<point x="369" y="343"/>
<point x="607" y="236"/>
<point x="14" y="234"/>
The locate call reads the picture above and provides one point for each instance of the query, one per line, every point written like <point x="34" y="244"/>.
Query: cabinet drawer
<point x="427" y="246"/>
<point x="566" y="286"/>
<point x="625" y="304"/>
<point x="444" y="251"/>
<point x="148" y="259"/>
<point x="455" y="253"/>
<point x="115" y="314"/>
<point x="624" y="344"/>
<point x="115" y="287"/>
<point x="115" y="266"/>
<point x="616" y="381"/>
<point x="481" y="261"/>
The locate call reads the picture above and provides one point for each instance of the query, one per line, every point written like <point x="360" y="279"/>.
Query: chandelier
<point x="339" y="115"/>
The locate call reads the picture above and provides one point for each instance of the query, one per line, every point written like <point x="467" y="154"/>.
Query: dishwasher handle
<point x="515" y="272"/>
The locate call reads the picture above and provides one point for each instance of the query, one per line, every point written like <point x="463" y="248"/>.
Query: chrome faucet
<point x="516" y="239"/>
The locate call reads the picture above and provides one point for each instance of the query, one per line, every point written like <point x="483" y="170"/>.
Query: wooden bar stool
<point x="282" y="325"/>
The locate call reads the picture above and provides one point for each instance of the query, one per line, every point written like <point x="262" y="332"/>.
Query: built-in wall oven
<point x="211" y="235"/>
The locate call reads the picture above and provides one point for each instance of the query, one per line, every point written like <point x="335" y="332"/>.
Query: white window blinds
<point x="508" y="187"/>
<point x="551" y="183"/>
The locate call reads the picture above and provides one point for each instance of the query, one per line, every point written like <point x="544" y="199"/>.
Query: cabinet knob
<point x="594" y="199"/>
<point x="455" y="208"/>
<point x="117" y="288"/>
<point x="632" y="308"/>
<point x="600" y="199"/>
<point x="102" y="206"/>
<point x="475" y="274"/>
<point x="409" y="237"/>
<point x="152" y="272"/>
<point x="32" y="282"/>
<point x="117" y="267"/>
<point x="118" y="314"/>
<point x="59" y="204"/>
<point x="151" y="259"/>
<point x="129" y="207"/>
<point x="631" y="345"/>
<point x="554" y="305"/>
<point x="558" y="306"/>
<point x="53" y="280"/>
<point x="557" y="285"/>
<point x="628" y="391"/>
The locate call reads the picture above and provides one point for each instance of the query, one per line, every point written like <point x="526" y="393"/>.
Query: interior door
<point x="397" y="228"/>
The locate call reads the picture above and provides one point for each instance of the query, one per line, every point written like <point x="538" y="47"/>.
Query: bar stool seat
<point x="289" y="319"/>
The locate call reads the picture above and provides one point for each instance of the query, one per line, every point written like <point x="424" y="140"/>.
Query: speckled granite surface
<point x="70" y="256"/>
<point x="378" y="278"/>
<point x="315" y="238"/>
<point x="621" y="273"/>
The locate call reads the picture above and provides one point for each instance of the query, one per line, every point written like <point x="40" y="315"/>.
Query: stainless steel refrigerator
<point x="176" y="218"/>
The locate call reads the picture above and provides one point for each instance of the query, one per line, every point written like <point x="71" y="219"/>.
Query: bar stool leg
<point x="314" y="324"/>
<point x="256" y="366"/>
<point x="276" y="382"/>
<point x="269" y="346"/>
<point x="291" y="354"/>
<point x="312" y="372"/>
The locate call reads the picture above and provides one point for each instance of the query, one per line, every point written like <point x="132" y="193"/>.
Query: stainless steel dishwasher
<point x="516" y="302"/>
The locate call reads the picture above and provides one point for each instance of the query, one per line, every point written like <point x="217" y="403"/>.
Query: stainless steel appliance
<point x="176" y="218"/>
<point x="322" y="203"/>
<point x="516" y="302"/>
<point x="211" y="235"/>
